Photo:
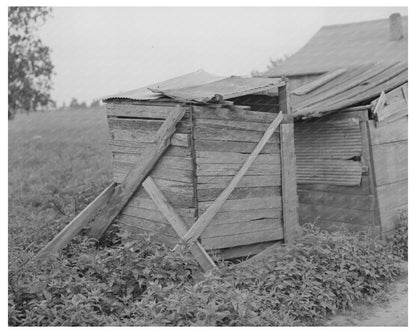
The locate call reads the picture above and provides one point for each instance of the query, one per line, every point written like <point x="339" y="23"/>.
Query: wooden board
<point x="203" y="157"/>
<point x="228" y="169"/>
<point x="231" y="124"/>
<point x="166" y="162"/>
<point x="241" y="227"/>
<point x="150" y="226"/>
<point x="75" y="226"/>
<point x="140" y="111"/>
<point x="242" y="252"/>
<point x="155" y="215"/>
<point x="150" y="125"/>
<point x="395" y="111"/>
<point x="363" y="189"/>
<point x="203" y="112"/>
<point x="312" y="212"/>
<point x="233" y="205"/>
<point x="390" y="162"/>
<point x="391" y="196"/>
<point x="184" y="200"/>
<point x="390" y="219"/>
<point x="209" y="133"/>
<point x="234" y="146"/>
<point x="216" y="182"/>
<point x="338" y="200"/>
<point x="235" y="217"/>
<point x="137" y="148"/>
<point x="240" y="193"/>
<point x="273" y="234"/>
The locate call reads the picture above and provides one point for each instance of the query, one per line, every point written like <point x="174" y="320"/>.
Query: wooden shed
<point x="227" y="178"/>
<point x="351" y="147"/>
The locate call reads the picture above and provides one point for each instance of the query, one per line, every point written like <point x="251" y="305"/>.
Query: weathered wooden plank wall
<point x="132" y="129"/>
<point x="390" y="150"/>
<point x="253" y="213"/>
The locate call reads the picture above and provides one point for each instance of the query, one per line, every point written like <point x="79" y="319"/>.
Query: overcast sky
<point x="99" y="51"/>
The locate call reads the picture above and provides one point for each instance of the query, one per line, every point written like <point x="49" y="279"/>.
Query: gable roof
<point x="351" y="87"/>
<point x="345" y="45"/>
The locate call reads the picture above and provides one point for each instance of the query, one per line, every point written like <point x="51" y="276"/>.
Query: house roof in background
<point x="144" y="93"/>
<point x="349" y="87"/>
<point x="344" y="45"/>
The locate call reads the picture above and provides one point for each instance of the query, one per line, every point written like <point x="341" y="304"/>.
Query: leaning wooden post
<point x="288" y="170"/>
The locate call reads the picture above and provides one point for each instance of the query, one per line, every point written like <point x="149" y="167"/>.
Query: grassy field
<point x="58" y="162"/>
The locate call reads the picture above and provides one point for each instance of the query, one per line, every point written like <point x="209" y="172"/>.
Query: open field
<point x="58" y="163"/>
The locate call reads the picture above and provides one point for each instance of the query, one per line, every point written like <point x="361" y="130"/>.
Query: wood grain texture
<point x="232" y="205"/>
<point x="230" y="169"/>
<point x="389" y="131"/>
<point x="203" y="157"/>
<point x="205" y="219"/>
<point x="177" y="223"/>
<point x="75" y="226"/>
<point x="136" y="175"/>
<point x="391" y="196"/>
<point x="209" y="133"/>
<point x="273" y="234"/>
<point x="204" y="112"/>
<point x="244" y="251"/>
<point x="390" y="162"/>
<point x="216" y="182"/>
<point x="234" y="146"/>
<point x="313" y="212"/>
<point x="240" y="193"/>
<point x="140" y="111"/>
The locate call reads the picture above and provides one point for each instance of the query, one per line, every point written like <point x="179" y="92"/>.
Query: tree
<point x="30" y="65"/>
<point x="272" y="64"/>
<point x="73" y="104"/>
<point x="95" y="104"/>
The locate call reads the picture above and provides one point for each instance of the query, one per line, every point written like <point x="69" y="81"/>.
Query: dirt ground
<point x="389" y="309"/>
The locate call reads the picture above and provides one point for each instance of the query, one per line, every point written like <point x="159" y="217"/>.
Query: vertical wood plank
<point x="137" y="174"/>
<point x="290" y="204"/>
<point x="177" y="223"/>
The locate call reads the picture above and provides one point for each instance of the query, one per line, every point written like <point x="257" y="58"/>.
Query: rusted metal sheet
<point x="146" y="93"/>
<point x="231" y="87"/>
<point x="355" y="86"/>
<point x="328" y="152"/>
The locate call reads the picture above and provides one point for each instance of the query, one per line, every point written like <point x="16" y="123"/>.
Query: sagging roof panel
<point x="343" y="45"/>
<point x="354" y="86"/>
<point x="145" y="93"/>
<point x="231" y="87"/>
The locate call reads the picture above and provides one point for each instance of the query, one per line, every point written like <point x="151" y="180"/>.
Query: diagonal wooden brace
<point x="137" y="174"/>
<point x="177" y="223"/>
<point x="205" y="219"/>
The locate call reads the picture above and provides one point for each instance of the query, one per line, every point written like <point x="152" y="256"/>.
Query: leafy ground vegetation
<point x="58" y="162"/>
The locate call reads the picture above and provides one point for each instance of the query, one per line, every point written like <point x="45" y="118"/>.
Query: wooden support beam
<point x="137" y="174"/>
<point x="75" y="226"/>
<point x="288" y="172"/>
<point x="177" y="223"/>
<point x="205" y="219"/>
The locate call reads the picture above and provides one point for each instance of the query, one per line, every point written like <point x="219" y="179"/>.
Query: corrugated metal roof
<point x="145" y="93"/>
<point x="344" y="45"/>
<point x="231" y="87"/>
<point x="354" y="86"/>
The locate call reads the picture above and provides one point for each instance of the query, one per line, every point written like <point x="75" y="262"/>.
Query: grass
<point x="59" y="162"/>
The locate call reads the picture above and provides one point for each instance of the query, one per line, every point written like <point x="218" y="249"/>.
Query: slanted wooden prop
<point x="110" y="203"/>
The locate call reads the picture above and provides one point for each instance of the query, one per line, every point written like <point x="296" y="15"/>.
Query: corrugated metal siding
<point x="328" y="152"/>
